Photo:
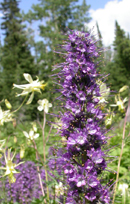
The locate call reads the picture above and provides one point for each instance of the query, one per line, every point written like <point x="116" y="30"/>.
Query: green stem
<point x="33" y="142"/>
<point x="11" y="193"/>
<point x="39" y="175"/>
<point x="20" y="105"/>
<point x="44" y="153"/>
<point x="122" y="146"/>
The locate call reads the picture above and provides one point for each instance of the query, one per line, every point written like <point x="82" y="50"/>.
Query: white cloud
<point x="113" y="10"/>
<point x="1" y="14"/>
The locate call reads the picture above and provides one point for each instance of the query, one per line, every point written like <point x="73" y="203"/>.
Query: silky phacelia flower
<point x="82" y="160"/>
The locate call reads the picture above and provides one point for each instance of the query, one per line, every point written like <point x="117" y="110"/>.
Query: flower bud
<point x="123" y="88"/>
<point x="22" y="151"/>
<point x="7" y="103"/>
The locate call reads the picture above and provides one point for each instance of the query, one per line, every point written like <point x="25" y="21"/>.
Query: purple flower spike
<point x="82" y="118"/>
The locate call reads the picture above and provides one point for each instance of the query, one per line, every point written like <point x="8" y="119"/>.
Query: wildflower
<point x="82" y="160"/>
<point x="10" y="166"/>
<point x="5" y="116"/>
<point x="26" y="187"/>
<point x="7" y="103"/>
<point x="22" y="151"/>
<point x="123" y="187"/>
<point x="15" y="139"/>
<point x="31" y="87"/>
<point x="123" y="88"/>
<point x="120" y="103"/>
<point x="57" y="124"/>
<point x="34" y="126"/>
<point x="44" y="105"/>
<point x="109" y="117"/>
<point x="104" y="92"/>
<point x="59" y="189"/>
<point x="31" y="135"/>
<point x="64" y="141"/>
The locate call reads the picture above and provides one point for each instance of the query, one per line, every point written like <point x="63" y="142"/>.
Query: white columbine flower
<point x="123" y="187"/>
<point x="31" y="135"/>
<point x="31" y="87"/>
<point x="44" y="105"/>
<point x="59" y="189"/>
<point x="5" y="116"/>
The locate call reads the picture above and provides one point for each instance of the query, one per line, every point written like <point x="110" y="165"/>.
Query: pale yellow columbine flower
<point x="64" y="141"/>
<point x="109" y="117"/>
<point x="31" y="87"/>
<point x="10" y="166"/>
<point x="44" y="105"/>
<point x="31" y="135"/>
<point x="59" y="189"/>
<point x="104" y="91"/>
<point x="5" y="116"/>
<point x="120" y="103"/>
<point x="58" y="124"/>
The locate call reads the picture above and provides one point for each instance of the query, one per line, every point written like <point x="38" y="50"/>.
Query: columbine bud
<point x="22" y="151"/>
<point x="7" y="103"/>
<point x="34" y="126"/>
<point x="14" y="122"/>
<point x="15" y="139"/>
<point x="123" y="88"/>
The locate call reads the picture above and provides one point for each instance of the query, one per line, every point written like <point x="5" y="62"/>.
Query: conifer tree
<point x="57" y="17"/>
<point x="16" y="55"/>
<point x="100" y="43"/>
<point x="101" y="67"/>
<point x="119" y="68"/>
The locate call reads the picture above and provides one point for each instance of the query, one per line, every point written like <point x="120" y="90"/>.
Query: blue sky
<point x="105" y="12"/>
<point x="25" y="5"/>
<point x="95" y="4"/>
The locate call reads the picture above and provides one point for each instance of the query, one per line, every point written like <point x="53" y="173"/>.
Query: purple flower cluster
<point x="83" y="158"/>
<point x="27" y="187"/>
